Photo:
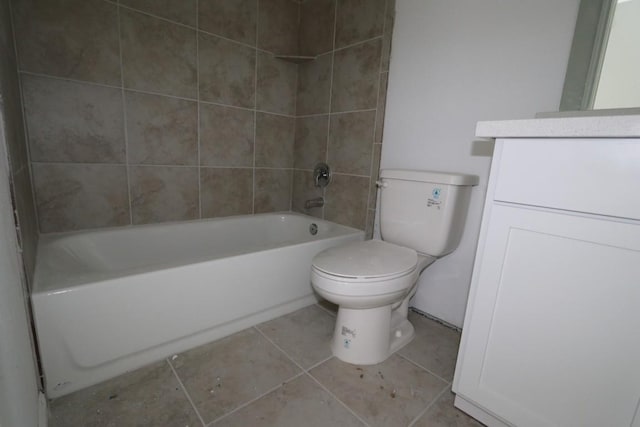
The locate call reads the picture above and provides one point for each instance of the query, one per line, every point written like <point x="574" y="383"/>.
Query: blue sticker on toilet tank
<point x="436" y="193"/>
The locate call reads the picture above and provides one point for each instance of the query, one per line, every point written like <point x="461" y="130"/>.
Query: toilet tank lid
<point x="430" y="176"/>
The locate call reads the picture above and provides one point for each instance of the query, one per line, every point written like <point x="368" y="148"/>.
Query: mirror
<point x="604" y="63"/>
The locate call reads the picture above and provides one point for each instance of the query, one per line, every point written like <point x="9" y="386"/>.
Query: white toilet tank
<point x="424" y="210"/>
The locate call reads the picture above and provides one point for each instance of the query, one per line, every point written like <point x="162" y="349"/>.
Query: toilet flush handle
<point x="381" y="184"/>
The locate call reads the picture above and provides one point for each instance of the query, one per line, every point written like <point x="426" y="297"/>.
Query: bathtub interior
<point x="71" y="259"/>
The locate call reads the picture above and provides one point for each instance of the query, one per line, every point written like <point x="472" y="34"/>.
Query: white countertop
<point x="626" y="126"/>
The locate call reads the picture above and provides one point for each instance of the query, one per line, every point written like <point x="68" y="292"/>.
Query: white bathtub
<point x="109" y="301"/>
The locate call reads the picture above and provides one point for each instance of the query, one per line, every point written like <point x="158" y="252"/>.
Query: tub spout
<point x="318" y="202"/>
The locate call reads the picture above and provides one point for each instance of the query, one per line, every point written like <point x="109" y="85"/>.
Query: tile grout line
<point x="25" y="130"/>
<point x="307" y="373"/>
<point x="149" y="165"/>
<point x="359" y="43"/>
<point x="124" y="117"/>
<point x="337" y="399"/>
<point x="295" y="112"/>
<point x="184" y="390"/>
<point x="255" y="112"/>
<point x="147" y="92"/>
<point x="335" y="113"/>
<point x="279" y="348"/>
<point x="333" y="57"/>
<point x="375" y="122"/>
<point x="199" y="163"/>
<point x="255" y="399"/>
<point x="422" y="367"/>
<point x="430" y="405"/>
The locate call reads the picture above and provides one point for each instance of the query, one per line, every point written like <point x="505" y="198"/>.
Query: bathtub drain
<point x="313" y="229"/>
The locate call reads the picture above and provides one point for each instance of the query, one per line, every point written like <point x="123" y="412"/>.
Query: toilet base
<point x="370" y="336"/>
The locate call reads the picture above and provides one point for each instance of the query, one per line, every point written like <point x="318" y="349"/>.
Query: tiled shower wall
<point x="340" y="105"/>
<point x="12" y="126"/>
<point x="143" y="111"/>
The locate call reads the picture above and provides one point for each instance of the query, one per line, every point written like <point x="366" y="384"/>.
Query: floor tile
<point x="227" y="373"/>
<point x="435" y="346"/>
<point x="304" y="335"/>
<point x="444" y="414"/>
<point x="391" y="393"/>
<point x="300" y="402"/>
<point x="329" y="307"/>
<point x="150" y="396"/>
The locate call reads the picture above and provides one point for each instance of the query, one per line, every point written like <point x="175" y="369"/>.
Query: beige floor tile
<point x="444" y="414"/>
<point x="304" y="335"/>
<point x="435" y="346"/>
<point x="329" y="306"/>
<point x="150" y="396"/>
<point x="391" y="393"/>
<point x="223" y="375"/>
<point x="300" y="402"/>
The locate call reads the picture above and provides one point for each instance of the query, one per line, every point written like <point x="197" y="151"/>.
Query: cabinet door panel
<point x="554" y="336"/>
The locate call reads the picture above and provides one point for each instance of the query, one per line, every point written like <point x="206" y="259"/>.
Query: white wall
<point x="454" y="63"/>
<point x="619" y="86"/>
<point x="18" y="377"/>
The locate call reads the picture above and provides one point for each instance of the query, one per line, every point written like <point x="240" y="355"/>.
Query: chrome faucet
<point x="318" y="202"/>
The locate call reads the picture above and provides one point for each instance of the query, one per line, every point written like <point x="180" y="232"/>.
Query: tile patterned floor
<point x="280" y="373"/>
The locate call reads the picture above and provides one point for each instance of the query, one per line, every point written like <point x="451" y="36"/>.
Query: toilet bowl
<point x="373" y="281"/>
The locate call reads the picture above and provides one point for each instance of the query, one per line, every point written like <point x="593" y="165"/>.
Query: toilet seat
<point x="366" y="268"/>
<point x="371" y="259"/>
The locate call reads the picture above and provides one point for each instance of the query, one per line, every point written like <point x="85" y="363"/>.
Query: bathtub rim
<point x="41" y="288"/>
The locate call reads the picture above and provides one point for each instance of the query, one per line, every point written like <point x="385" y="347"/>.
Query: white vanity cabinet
<point x="552" y="329"/>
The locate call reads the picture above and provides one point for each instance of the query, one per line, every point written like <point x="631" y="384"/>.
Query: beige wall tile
<point x="157" y="55"/>
<point x="389" y="18"/>
<point x="382" y="104"/>
<point x="274" y="140"/>
<point x="314" y="86"/>
<point x="161" y="130"/>
<point x="368" y="229"/>
<point x="76" y="39"/>
<point x="358" y="20"/>
<point x="27" y="221"/>
<point x="234" y="19"/>
<point x="73" y="122"/>
<point x="227" y="72"/>
<point x="73" y="197"/>
<point x="277" y="81"/>
<point x="226" y="191"/>
<point x="351" y="142"/>
<point x="303" y="190"/>
<point x="183" y="11"/>
<point x="355" y="77"/>
<point x="316" y="26"/>
<point x="375" y="174"/>
<point x="160" y="193"/>
<point x="226" y="136"/>
<point x="346" y="200"/>
<point x="273" y="190"/>
<point x="278" y="26"/>
<point x="310" y="145"/>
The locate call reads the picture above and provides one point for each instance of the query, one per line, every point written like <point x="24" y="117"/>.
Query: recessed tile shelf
<point x="296" y="59"/>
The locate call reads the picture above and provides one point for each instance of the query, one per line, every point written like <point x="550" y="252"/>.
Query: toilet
<point x="422" y="216"/>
